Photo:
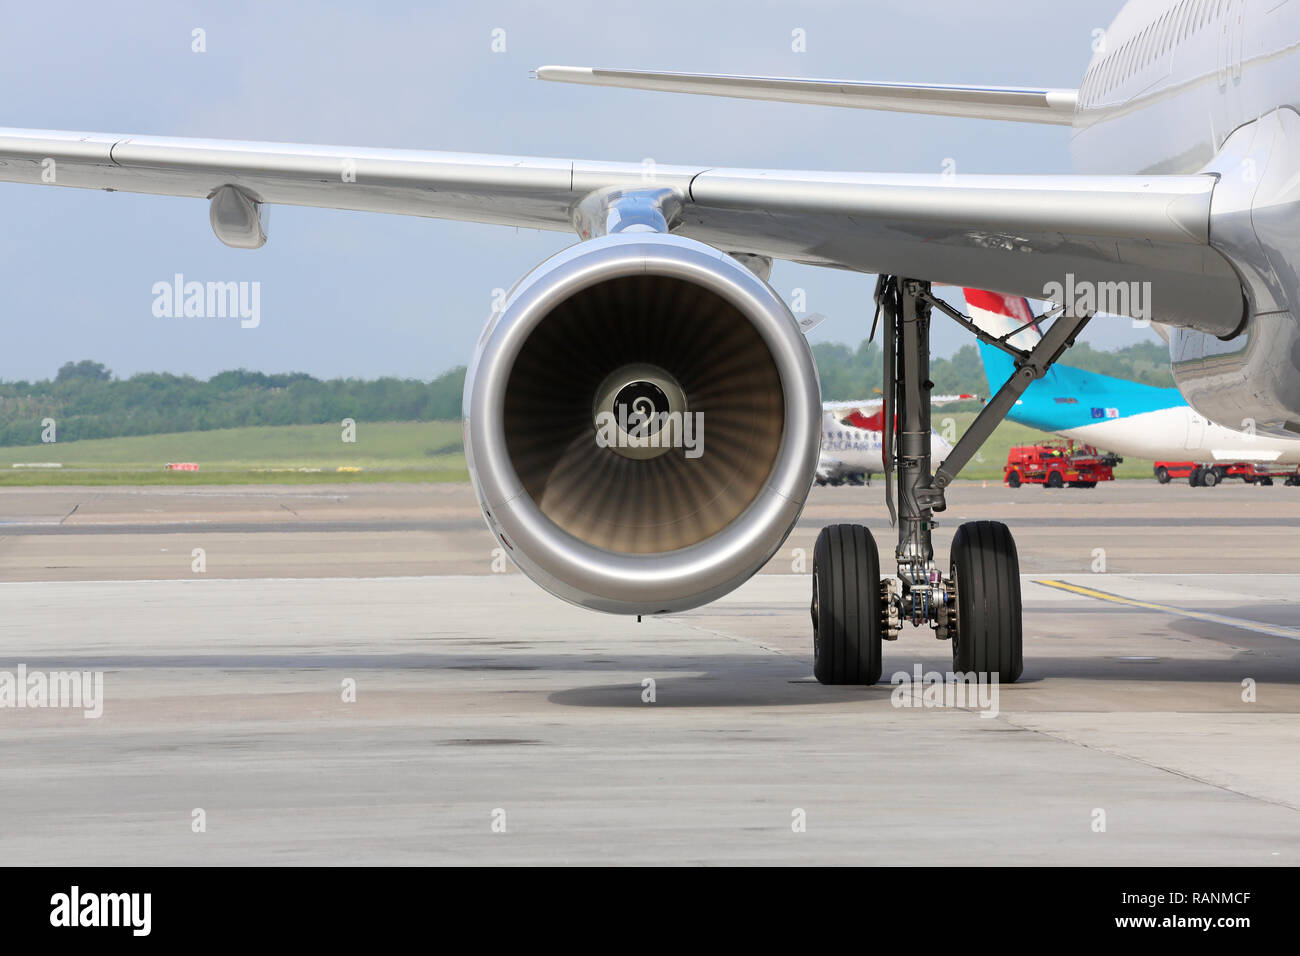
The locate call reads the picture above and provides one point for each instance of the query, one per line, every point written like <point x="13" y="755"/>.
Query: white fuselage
<point x="1172" y="79"/>
<point x="1182" y="434"/>
<point x="848" y="450"/>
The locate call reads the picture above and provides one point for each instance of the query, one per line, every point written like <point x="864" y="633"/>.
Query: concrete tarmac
<point x="1158" y="721"/>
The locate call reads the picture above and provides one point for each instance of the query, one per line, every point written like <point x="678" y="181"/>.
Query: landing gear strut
<point x="974" y="600"/>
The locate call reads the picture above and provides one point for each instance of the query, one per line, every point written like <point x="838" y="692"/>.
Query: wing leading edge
<point x="1015" y="234"/>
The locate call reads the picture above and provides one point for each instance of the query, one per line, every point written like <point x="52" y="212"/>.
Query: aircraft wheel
<point x="986" y="635"/>
<point x="1210" y="478"/>
<point x="1054" y="480"/>
<point x="846" y="614"/>
<point x="1013" y="480"/>
<point x="1162" y="475"/>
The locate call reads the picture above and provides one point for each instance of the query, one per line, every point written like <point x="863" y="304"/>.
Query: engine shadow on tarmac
<point x="753" y="681"/>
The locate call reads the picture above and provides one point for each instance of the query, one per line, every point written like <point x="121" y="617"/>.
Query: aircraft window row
<point x="1158" y="39"/>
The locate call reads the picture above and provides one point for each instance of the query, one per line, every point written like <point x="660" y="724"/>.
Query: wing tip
<point x="564" y="74"/>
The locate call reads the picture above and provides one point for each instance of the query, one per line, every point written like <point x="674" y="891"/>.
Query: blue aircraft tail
<point x="1068" y="398"/>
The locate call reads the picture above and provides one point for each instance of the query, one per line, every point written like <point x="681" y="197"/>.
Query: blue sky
<point x="353" y="294"/>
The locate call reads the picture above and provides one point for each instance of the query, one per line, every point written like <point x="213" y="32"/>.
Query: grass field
<point x="386" y="451"/>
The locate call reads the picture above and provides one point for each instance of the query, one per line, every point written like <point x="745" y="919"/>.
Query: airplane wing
<point x="1017" y="104"/>
<point x="1015" y="234"/>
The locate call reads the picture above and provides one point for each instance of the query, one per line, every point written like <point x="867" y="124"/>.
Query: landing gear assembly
<point x="973" y="601"/>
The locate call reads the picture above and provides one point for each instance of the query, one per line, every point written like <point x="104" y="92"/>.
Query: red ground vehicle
<point x="1057" y="464"/>
<point x="1207" y="476"/>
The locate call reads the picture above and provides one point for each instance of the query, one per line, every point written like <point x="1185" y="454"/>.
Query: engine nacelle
<point x="1248" y="383"/>
<point x="642" y="423"/>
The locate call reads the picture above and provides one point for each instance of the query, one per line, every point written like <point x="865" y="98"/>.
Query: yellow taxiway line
<point x="1273" y="630"/>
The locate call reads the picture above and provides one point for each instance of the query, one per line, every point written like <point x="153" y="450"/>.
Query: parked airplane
<point x="1133" y="419"/>
<point x="853" y="435"/>
<point x="1187" y="132"/>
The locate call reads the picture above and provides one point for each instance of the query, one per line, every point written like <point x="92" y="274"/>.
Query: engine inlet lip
<point x="641" y="583"/>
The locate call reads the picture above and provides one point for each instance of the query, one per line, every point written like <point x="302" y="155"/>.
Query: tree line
<point x="86" y="401"/>
<point x="848" y="373"/>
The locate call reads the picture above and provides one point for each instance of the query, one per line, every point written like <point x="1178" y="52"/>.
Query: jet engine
<point x="642" y="423"/>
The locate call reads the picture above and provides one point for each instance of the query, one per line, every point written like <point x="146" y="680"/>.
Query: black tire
<point x="846" y="606"/>
<point x="1162" y="475"/>
<point x="1194" y="479"/>
<point x="987" y="637"/>
<point x="1054" y="480"/>
<point x="1013" y="479"/>
<point x="1266" y="482"/>
<point x="1210" y="478"/>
